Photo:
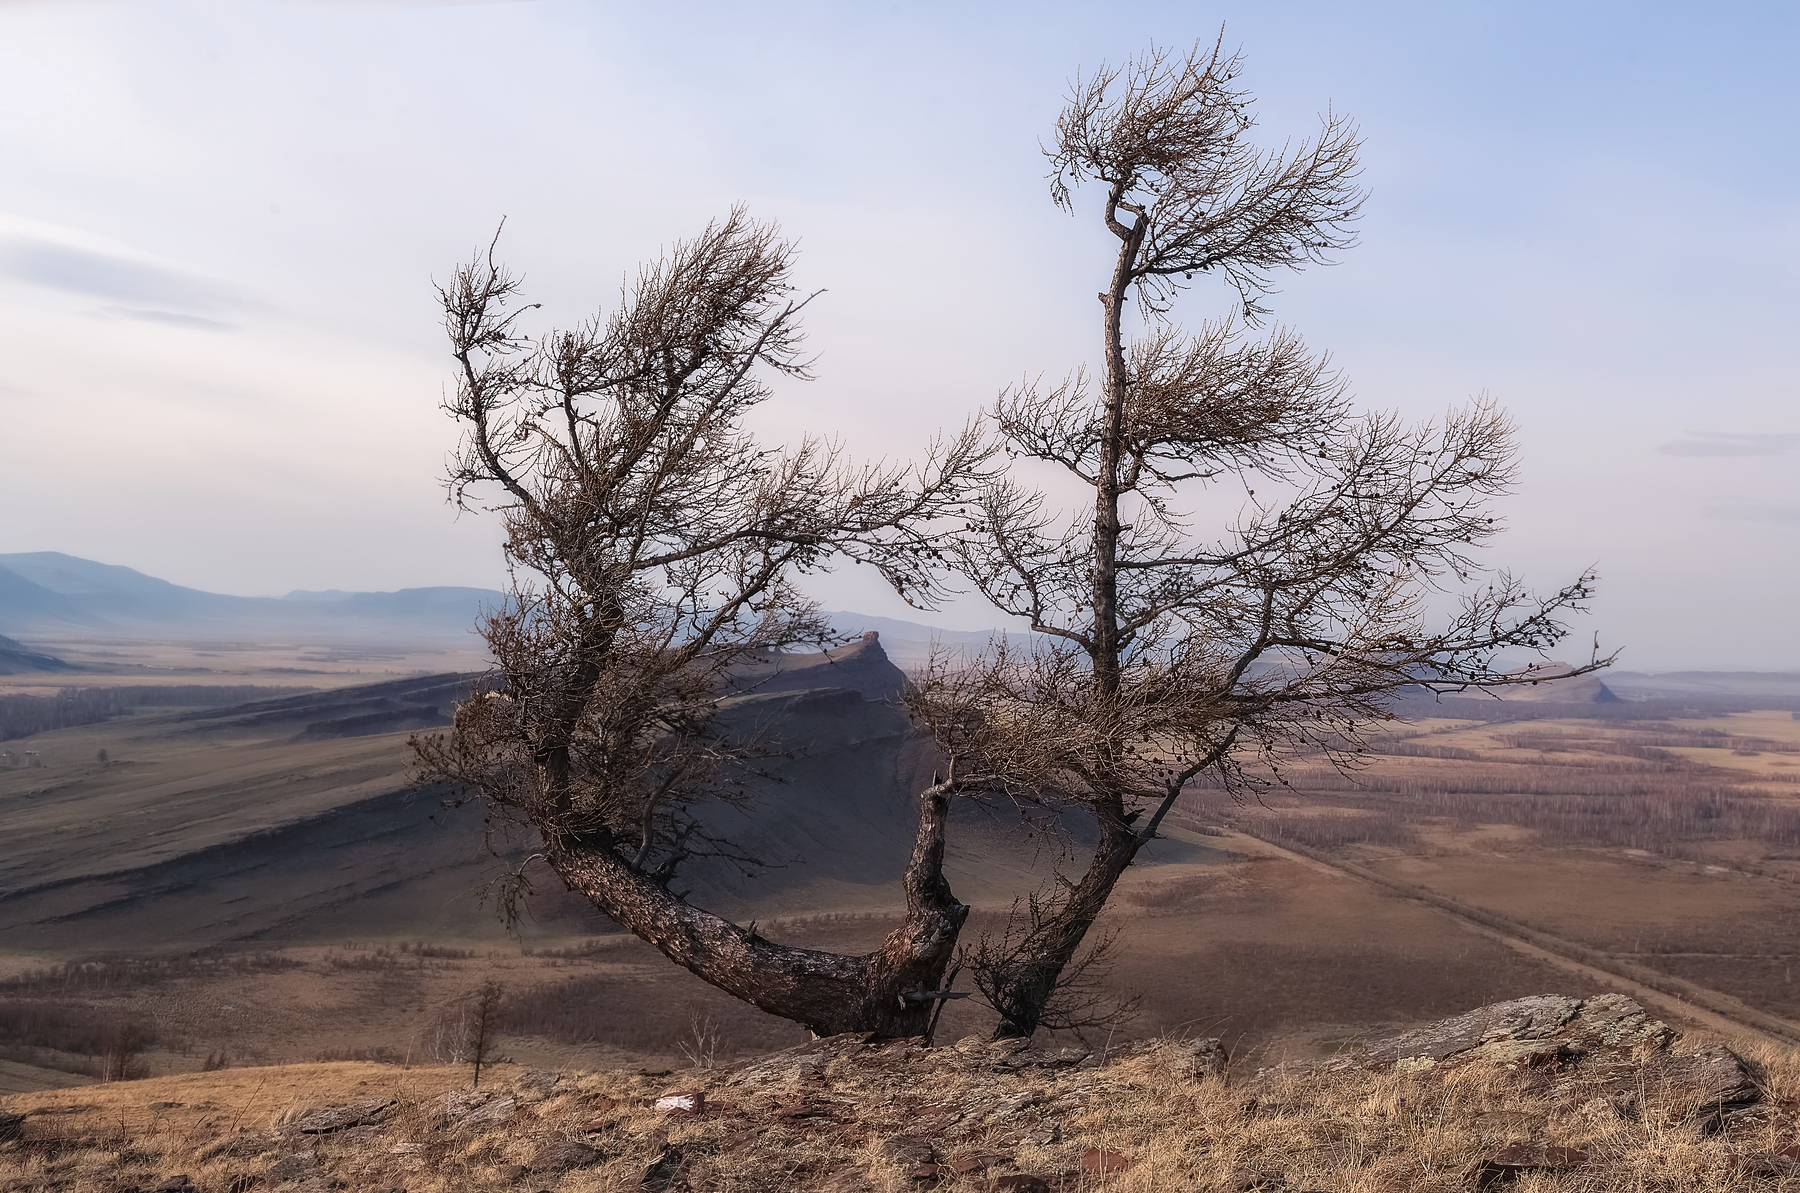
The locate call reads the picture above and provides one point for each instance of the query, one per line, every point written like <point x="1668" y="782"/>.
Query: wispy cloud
<point x="1782" y="515"/>
<point x="171" y="319"/>
<point x="100" y="275"/>
<point x="138" y="285"/>
<point x="1720" y="443"/>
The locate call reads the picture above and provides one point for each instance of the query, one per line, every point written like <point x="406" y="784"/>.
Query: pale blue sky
<point x="219" y="360"/>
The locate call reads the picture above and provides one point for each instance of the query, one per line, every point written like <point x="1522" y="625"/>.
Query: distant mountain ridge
<point x="51" y="595"/>
<point x="48" y="592"/>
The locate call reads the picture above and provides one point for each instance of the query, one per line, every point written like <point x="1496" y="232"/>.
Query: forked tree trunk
<point x="1023" y="992"/>
<point x="887" y="991"/>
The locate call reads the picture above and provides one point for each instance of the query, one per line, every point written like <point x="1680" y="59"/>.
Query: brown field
<point x="125" y="661"/>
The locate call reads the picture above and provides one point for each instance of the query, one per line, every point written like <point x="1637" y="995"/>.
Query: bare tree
<point x="484" y="1025"/>
<point x="703" y="1040"/>
<point x="654" y="544"/>
<point x="1082" y="997"/>
<point x="1165" y="651"/>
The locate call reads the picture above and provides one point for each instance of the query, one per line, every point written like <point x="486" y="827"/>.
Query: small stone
<point x="534" y="1084"/>
<point x="562" y="1155"/>
<point x="661" y="1172"/>
<point x="926" y="1172"/>
<point x="1714" y="1077"/>
<point x="1512" y="1162"/>
<point x="1021" y="1182"/>
<point x="340" y="1118"/>
<point x="458" y="1102"/>
<point x="496" y="1111"/>
<point x="905" y="1151"/>
<point x="1193" y="1060"/>
<point x="1100" y="1160"/>
<point x="1771" y="1166"/>
<point x="293" y="1167"/>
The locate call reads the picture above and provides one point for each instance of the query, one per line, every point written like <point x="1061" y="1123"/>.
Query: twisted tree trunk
<point x="890" y="991"/>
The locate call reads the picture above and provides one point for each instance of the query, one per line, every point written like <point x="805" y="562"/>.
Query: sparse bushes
<point x="703" y="1041"/>
<point x="406" y="954"/>
<point x="1163" y="896"/>
<point x="1629" y="806"/>
<point x="121" y="1046"/>
<point x="22" y="716"/>
<point x="54" y="1036"/>
<point x="381" y="1054"/>
<point x="110" y="975"/>
<point x="1329" y="831"/>
<point x="466" y="1030"/>
<point x="445" y="1037"/>
<point x="603" y="1008"/>
<point x="586" y="950"/>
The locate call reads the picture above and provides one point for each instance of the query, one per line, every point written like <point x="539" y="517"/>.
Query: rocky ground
<point x="1538" y="1094"/>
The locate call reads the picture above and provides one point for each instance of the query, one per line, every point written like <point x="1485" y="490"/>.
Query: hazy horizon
<point x="221" y="359"/>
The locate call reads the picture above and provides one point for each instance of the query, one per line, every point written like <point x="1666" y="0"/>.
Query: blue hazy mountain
<point x="53" y="595"/>
<point x="47" y="592"/>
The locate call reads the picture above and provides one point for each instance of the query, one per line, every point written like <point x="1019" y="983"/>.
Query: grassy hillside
<point x="1551" y="1094"/>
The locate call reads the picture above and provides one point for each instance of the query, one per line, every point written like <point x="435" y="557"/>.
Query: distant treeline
<point x="22" y="716"/>
<point x="1415" y="704"/>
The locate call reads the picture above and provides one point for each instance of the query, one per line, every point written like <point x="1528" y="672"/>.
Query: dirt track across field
<point x="1688" y="1000"/>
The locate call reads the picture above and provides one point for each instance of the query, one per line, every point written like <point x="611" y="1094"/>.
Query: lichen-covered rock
<point x="496" y="1111"/>
<point x="1713" y="1076"/>
<point x="1187" y="1060"/>
<point x="562" y="1155"/>
<point x="535" y="1084"/>
<point x="339" y="1118"/>
<point x="1515" y="1161"/>
<point x="1525" y="1032"/>
<point x="1606" y="1047"/>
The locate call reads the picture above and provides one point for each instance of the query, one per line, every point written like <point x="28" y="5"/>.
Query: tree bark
<point x="829" y="993"/>
<point x="1048" y="951"/>
<point x="1054" y="941"/>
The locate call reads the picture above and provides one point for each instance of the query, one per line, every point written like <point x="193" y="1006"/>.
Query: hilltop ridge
<point x="1552" y="1092"/>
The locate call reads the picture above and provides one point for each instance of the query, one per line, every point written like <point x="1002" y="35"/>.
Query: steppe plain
<point x="260" y="883"/>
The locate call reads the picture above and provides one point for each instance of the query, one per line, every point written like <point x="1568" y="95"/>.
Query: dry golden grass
<point x="847" y="1116"/>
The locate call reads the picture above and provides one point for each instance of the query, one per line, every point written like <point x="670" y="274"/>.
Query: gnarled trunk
<point x="889" y="991"/>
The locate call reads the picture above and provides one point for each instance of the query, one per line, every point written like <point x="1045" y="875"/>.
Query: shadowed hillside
<point x="293" y="819"/>
<point x="18" y="659"/>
